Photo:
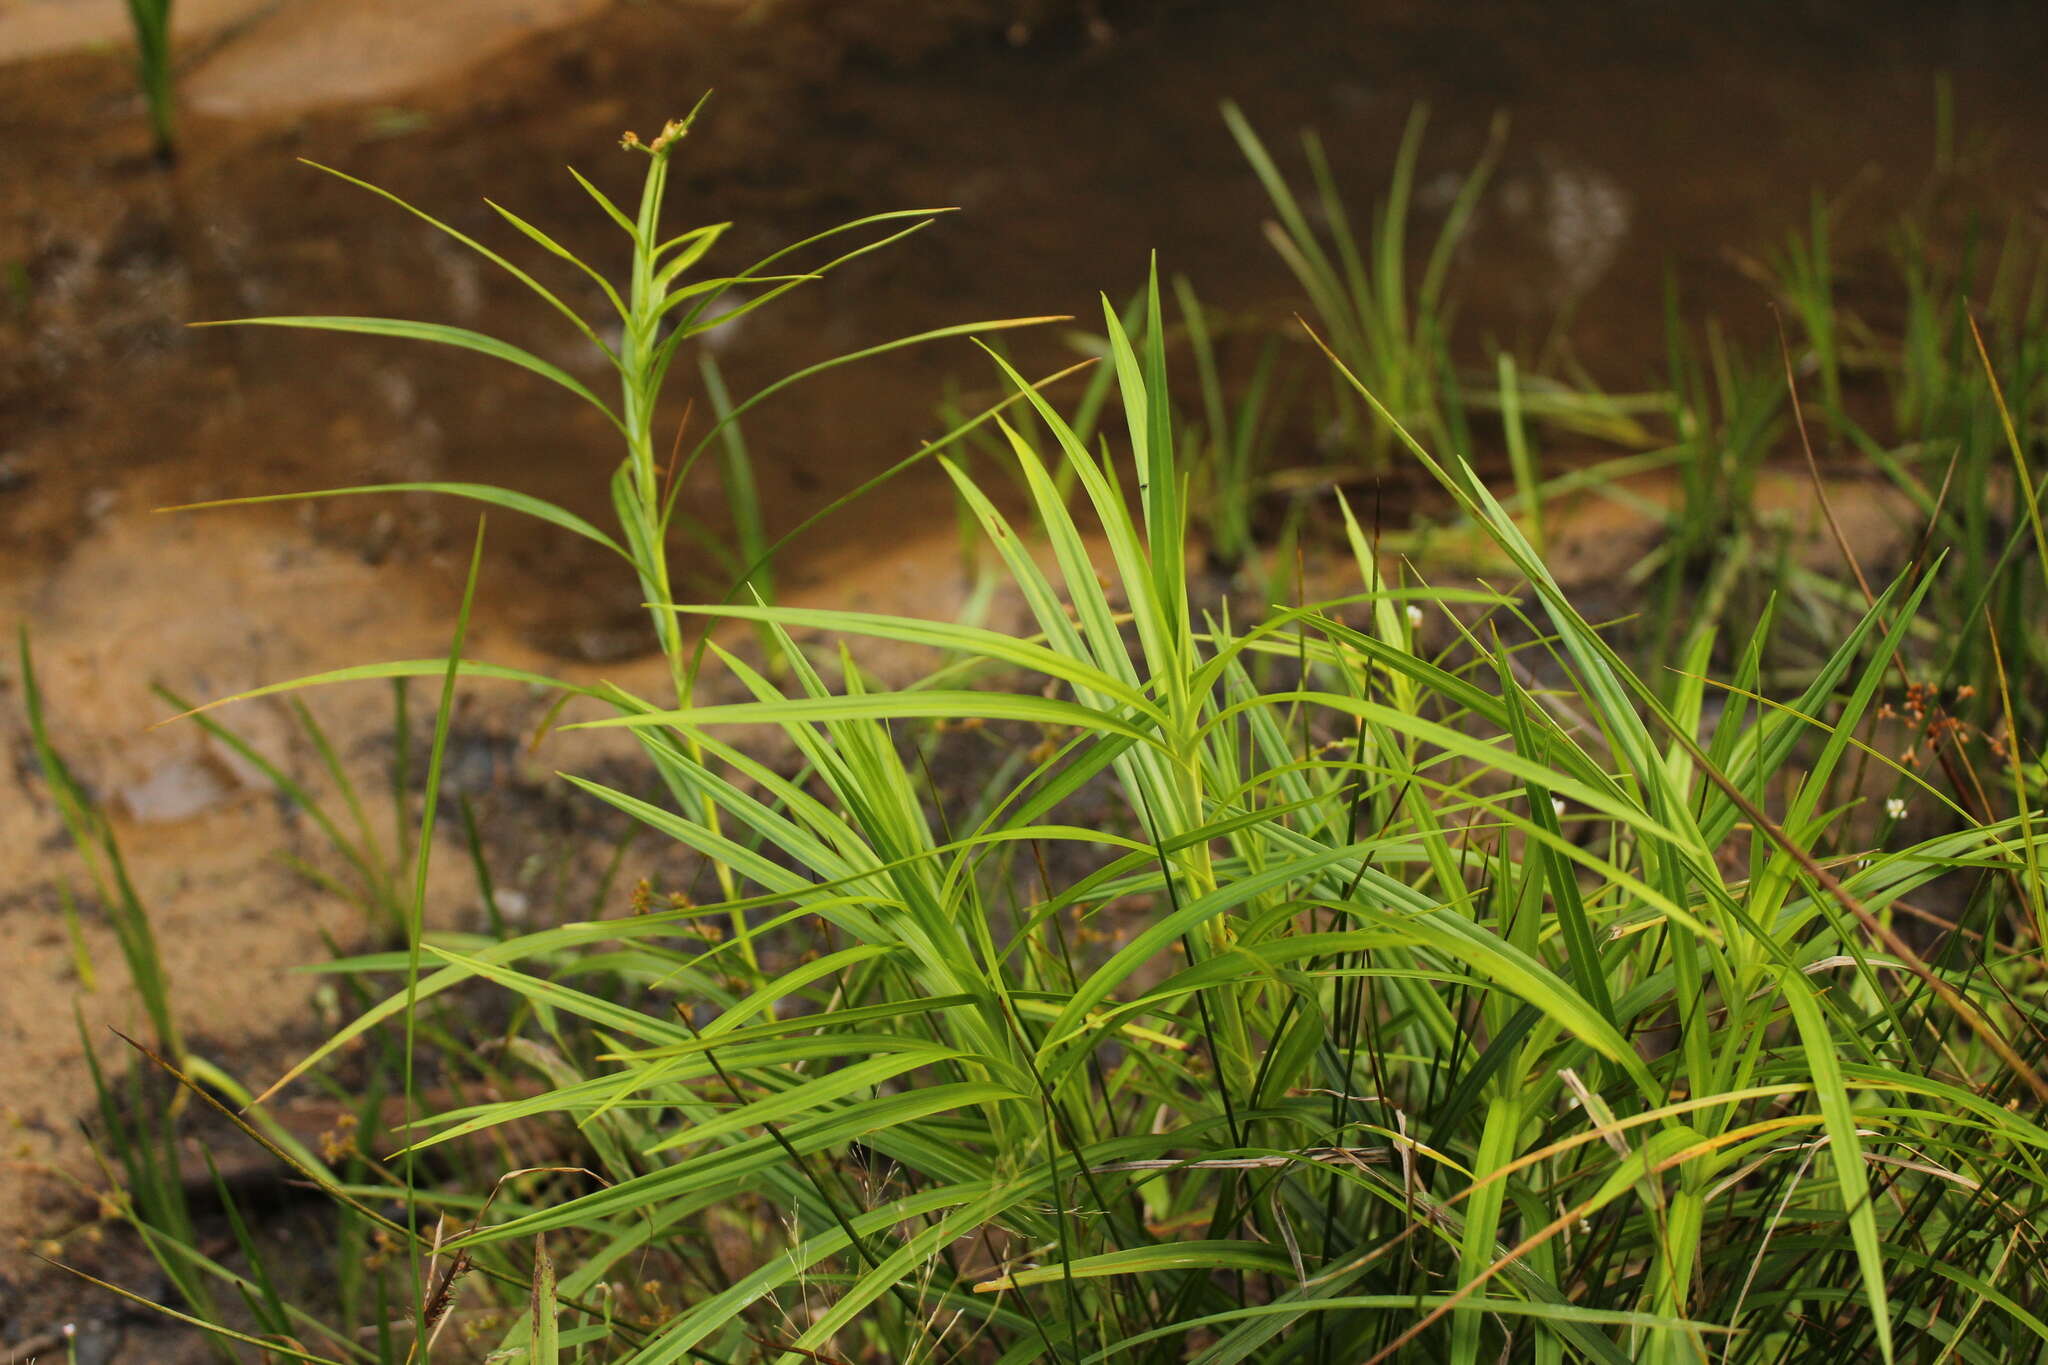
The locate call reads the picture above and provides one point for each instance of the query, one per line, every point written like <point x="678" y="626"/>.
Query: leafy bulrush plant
<point x="1289" y="991"/>
<point x="660" y="308"/>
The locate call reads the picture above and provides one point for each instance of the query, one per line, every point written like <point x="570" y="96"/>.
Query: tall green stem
<point x="638" y="491"/>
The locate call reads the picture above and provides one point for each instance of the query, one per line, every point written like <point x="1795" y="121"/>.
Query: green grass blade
<point x="441" y="334"/>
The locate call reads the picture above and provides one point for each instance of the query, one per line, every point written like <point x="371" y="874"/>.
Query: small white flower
<point x="70" y="1329"/>
<point x="1414" y="616"/>
<point x="1557" y="806"/>
<point x="1896" y="808"/>
<point x="1585" y="1227"/>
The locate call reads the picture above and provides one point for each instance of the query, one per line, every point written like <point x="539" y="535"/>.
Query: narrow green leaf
<point x="1202" y="1257"/>
<point x="440" y="334"/>
<point x="936" y="704"/>
<point x="477" y="492"/>
<point x="1845" y="1149"/>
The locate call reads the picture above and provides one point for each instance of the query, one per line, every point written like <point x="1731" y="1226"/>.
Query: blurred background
<point x="1640" y="159"/>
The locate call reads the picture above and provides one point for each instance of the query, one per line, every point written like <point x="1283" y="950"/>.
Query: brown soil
<point x="1074" y="136"/>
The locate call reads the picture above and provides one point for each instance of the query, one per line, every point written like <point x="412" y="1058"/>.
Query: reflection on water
<point x="1581" y="215"/>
